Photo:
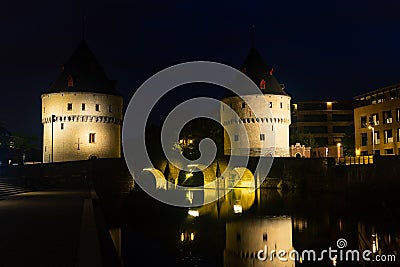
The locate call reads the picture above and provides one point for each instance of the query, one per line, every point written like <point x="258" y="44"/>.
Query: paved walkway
<point x="49" y="228"/>
<point x="8" y="187"/>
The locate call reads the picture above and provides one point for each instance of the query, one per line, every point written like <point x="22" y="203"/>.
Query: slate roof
<point x="83" y="73"/>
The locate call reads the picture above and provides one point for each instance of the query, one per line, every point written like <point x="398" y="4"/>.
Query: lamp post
<point x="53" y="119"/>
<point x="373" y="139"/>
<point x="338" y="149"/>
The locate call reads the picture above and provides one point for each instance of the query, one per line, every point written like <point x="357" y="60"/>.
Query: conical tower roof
<point x="262" y="75"/>
<point x="83" y="73"/>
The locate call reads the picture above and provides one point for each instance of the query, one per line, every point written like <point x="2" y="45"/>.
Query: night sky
<point x="318" y="49"/>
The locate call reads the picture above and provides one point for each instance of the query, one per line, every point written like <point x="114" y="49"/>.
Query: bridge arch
<point x="194" y="177"/>
<point x="240" y="177"/>
<point x="154" y="178"/>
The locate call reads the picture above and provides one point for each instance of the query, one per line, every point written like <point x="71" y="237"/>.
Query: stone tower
<point x="81" y="112"/>
<point x="268" y="135"/>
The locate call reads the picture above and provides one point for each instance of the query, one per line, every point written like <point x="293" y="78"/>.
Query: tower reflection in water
<point x="246" y="233"/>
<point x="245" y="238"/>
<point x="231" y="230"/>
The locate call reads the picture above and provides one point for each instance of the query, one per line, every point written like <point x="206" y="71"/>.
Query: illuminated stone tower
<point x="81" y="112"/>
<point x="260" y="131"/>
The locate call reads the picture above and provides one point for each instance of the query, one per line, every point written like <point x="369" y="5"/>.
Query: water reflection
<point x="230" y="231"/>
<point x="245" y="238"/>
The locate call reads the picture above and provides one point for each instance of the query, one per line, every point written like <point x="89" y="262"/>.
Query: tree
<point x="304" y="139"/>
<point x="349" y="143"/>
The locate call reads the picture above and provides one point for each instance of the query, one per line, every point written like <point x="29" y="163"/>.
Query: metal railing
<point x="358" y="160"/>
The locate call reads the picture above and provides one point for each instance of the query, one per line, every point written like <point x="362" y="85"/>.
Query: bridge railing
<point x="357" y="160"/>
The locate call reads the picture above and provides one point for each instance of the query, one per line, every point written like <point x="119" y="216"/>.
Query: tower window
<point x="83" y="106"/>
<point x="270" y="104"/>
<point x="70" y="81"/>
<point x="281" y="105"/>
<point x="69" y="106"/>
<point x="97" y="107"/>
<point x="62" y="126"/>
<point x="44" y="109"/>
<point x="236" y="137"/>
<point x="262" y="137"/>
<point x="238" y="237"/>
<point x="109" y="108"/>
<point x="265" y="237"/>
<point x="262" y="84"/>
<point x="92" y="138"/>
<point x="243" y="104"/>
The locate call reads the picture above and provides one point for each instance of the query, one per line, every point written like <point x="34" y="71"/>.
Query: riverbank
<point x="58" y="227"/>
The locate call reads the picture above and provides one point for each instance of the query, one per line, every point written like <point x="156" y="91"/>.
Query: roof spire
<point x="253" y="33"/>
<point x="83" y="26"/>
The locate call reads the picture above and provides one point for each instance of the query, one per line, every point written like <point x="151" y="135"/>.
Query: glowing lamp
<point x="194" y="213"/>
<point x="237" y="208"/>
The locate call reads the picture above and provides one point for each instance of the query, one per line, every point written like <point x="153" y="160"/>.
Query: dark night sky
<point x="318" y="49"/>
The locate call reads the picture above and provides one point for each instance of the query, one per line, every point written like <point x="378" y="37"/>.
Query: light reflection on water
<point x="230" y="231"/>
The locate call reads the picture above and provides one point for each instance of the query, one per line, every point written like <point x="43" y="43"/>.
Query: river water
<point x="250" y="228"/>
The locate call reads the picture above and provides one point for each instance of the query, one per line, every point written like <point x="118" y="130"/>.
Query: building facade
<point x="327" y="122"/>
<point x="81" y="112"/>
<point x="267" y="135"/>
<point x="377" y="122"/>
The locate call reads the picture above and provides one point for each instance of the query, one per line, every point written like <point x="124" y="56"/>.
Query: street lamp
<point x="373" y="139"/>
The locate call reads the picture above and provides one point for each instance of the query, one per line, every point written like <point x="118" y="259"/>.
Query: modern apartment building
<point x="377" y="122"/>
<point x="327" y="121"/>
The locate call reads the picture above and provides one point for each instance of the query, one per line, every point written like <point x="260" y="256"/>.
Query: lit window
<point x="374" y="119"/>
<point x="262" y="137"/>
<point x="70" y="81"/>
<point x="92" y="138"/>
<point x="62" y="126"/>
<point x="388" y="136"/>
<point x="69" y="106"/>
<point x="397" y="114"/>
<point x="109" y="108"/>
<point x="83" y="106"/>
<point x="262" y="84"/>
<point x="387" y="117"/>
<point x="97" y="107"/>
<point x="377" y="141"/>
